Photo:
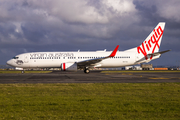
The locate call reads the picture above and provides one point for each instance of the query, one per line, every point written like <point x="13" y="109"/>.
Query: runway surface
<point x="93" y="77"/>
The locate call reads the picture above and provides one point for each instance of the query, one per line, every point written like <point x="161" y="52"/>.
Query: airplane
<point x="72" y="61"/>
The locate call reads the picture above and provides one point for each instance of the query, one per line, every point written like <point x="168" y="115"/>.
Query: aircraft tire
<point x="86" y="71"/>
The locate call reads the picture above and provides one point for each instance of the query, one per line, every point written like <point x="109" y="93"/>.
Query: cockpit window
<point x="15" y="57"/>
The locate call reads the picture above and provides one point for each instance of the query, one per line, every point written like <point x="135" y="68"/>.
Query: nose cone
<point x="10" y="62"/>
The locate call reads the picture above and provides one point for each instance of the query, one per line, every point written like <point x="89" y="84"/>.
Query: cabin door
<point x="26" y="60"/>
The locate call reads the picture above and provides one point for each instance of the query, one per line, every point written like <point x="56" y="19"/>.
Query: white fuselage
<point x="55" y="59"/>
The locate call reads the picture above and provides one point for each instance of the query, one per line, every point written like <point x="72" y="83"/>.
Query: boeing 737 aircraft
<point x="72" y="61"/>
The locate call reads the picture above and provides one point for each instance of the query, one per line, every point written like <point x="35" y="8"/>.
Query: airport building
<point x="141" y="67"/>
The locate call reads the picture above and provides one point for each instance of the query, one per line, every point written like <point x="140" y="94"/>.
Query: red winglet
<point x="114" y="52"/>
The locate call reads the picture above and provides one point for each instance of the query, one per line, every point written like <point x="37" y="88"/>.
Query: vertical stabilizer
<point x="152" y="43"/>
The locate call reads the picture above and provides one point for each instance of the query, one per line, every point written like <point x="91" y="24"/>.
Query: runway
<point x="93" y="77"/>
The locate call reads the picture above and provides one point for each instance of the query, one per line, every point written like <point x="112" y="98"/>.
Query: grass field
<point x="105" y="101"/>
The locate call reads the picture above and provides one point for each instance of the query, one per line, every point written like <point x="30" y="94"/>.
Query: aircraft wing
<point x="92" y="62"/>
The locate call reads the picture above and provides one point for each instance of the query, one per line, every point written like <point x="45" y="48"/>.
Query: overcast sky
<point x="88" y="25"/>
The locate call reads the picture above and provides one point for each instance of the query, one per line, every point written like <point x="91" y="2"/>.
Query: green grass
<point x="18" y="71"/>
<point x="135" y="101"/>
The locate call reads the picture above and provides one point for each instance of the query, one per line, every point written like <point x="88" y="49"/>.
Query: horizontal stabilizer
<point x="152" y="55"/>
<point x="159" y="53"/>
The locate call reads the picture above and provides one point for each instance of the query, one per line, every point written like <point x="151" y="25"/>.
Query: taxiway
<point x="93" y="77"/>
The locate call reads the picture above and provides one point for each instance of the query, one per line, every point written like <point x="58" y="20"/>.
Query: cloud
<point x="34" y="20"/>
<point x="159" y="8"/>
<point x="33" y="25"/>
<point x="70" y="11"/>
<point x="169" y="9"/>
<point x="120" y="6"/>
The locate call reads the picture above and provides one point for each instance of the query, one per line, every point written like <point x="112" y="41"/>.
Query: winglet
<point x="114" y="52"/>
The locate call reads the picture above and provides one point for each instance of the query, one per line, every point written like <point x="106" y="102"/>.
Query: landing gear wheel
<point x="86" y="71"/>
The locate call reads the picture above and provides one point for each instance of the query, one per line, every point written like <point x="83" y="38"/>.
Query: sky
<point x="87" y="25"/>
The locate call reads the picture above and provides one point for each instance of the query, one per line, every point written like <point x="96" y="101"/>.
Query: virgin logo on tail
<point x="152" y="43"/>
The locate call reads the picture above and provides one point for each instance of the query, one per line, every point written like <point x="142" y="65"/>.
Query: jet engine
<point x="69" y="66"/>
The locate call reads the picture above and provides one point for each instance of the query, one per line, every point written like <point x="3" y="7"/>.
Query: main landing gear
<point x="86" y="70"/>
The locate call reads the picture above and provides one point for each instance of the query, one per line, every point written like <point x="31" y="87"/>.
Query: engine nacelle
<point x="69" y="66"/>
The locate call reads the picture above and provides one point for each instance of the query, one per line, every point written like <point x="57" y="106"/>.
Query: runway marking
<point x="126" y="74"/>
<point x="159" y="78"/>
